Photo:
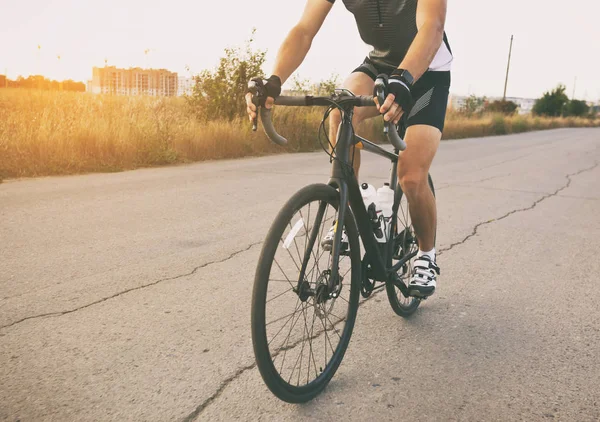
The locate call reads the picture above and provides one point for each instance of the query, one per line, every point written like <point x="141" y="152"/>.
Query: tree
<point x="473" y="105"/>
<point x="576" y="108"/>
<point x="552" y="102"/>
<point x="303" y="86"/>
<point x="327" y="86"/>
<point x="502" y="106"/>
<point x="300" y="86"/>
<point x="220" y="93"/>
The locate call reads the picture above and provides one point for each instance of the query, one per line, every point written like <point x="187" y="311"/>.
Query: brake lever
<point x="394" y="138"/>
<point x="380" y="85"/>
<point x="255" y="91"/>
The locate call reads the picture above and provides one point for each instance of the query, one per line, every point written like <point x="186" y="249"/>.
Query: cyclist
<point x="411" y="48"/>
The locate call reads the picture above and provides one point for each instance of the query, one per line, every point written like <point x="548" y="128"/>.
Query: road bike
<point x="305" y="298"/>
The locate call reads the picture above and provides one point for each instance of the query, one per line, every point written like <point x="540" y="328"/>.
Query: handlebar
<point x="307" y="101"/>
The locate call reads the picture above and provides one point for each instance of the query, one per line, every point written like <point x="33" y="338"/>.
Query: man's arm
<point x="296" y="45"/>
<point x="294" y="48"/>
<point x="431" y="18"/>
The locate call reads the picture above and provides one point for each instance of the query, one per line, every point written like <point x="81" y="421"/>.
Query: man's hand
<point x="398" y="101"/>
<point x="271" y="87"/>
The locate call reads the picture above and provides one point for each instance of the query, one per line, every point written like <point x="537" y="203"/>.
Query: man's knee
<point x="335" y="118"/>
<point x="413" y="181"/>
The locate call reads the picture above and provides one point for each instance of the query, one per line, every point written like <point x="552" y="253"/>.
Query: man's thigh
<point x="361" y="84"/>
<point x="422" y="142"/>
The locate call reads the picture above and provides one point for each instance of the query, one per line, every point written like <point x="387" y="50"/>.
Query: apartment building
<point x="133" y="81"/>
<point x="186" y="86"/>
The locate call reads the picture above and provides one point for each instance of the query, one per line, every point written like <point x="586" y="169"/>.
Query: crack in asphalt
<point x="470" y="183"/>
<point x="543" y="198"/>
<point x="217" y="393"/>
<point x="154" y="283"/>
<point x="200" y="408"/>
<point x="491" y="178"/>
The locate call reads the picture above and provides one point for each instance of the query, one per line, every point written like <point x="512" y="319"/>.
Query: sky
<point x="554" y="42"/>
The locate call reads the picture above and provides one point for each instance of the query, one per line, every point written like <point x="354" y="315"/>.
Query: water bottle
<point x="369" y="194"/>
<point x="385" y="200"/>
<point x="384" y="203"/>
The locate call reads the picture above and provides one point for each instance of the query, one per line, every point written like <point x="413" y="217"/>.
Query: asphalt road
<point x="126" y="296"/>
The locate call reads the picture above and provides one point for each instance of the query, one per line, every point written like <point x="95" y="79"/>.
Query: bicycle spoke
<point x="333" y="326"/>
<point x="283" y="317"/>
<point x="311" y="351"/>
<point x="296" y="244"/>
<point x="283" y="272"/>
<point x="283" y="326"/>
<point x="343" y="298"/>
<point x="290" y="254"/>
<point x="286" y="342"/>
<point x="328" y="340"/>
<point x="279" y="295"/>
<point x="300" y="355"/>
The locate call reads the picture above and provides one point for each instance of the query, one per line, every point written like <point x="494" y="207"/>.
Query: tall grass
<point x="43" y="133"/>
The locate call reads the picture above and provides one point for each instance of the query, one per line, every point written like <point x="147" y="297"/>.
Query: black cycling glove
<point x="271" y="87"/>
<point x="400" y="87"/>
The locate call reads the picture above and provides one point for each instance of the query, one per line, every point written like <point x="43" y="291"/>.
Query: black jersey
<point x="390" y="26"/>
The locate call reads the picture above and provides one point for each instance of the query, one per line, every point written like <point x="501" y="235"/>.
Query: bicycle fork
<point x="332" y="282"/>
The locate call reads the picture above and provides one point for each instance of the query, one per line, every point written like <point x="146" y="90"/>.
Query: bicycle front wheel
<point x="301" y="325"/>
<point x="405" y="248"/>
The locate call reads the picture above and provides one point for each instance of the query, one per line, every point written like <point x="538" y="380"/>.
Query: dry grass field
<point x="48" y="133"/>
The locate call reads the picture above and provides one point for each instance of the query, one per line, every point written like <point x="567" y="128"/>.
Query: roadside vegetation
<point x="45" y="132"/>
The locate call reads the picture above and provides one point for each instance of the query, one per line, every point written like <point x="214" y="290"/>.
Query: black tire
<point x="273" y="252"/>
<point x="404" y="306"/>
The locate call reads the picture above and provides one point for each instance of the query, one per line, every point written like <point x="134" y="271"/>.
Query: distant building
<point x="456" y="102"/>
<point x="133" y="81"/>
<point x="525" y="105"/>
<point x="185" y="86"/>
<point x="3" y="81"/>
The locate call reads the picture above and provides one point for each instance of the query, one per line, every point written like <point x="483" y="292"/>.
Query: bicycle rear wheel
<point x="405" y="248"/>
<point x="300" y="326"/>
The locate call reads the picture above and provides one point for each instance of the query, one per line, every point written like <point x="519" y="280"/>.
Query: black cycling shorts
<point x="430" y="93"/>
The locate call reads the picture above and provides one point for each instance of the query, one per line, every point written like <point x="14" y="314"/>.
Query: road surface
<point x="126" y="296"/>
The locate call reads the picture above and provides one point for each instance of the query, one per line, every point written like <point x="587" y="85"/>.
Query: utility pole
<point x="574" y="85"/>
<point x="507" y="68"/>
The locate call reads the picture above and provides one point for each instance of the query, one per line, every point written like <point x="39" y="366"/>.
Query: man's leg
<point x="360" y="84"/>
<point x="413" y="168"/>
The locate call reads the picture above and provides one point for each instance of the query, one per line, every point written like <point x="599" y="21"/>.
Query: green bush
<point x="219" y="94"/>
<point x="502" y="106"/>
<point x="576" y="108"/>
<point x="551" y="103"/>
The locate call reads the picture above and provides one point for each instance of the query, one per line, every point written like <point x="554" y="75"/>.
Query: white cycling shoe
<point x="422" y="282"/>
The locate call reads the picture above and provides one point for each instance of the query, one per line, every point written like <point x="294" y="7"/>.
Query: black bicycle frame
<point x="344" y="180"/>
